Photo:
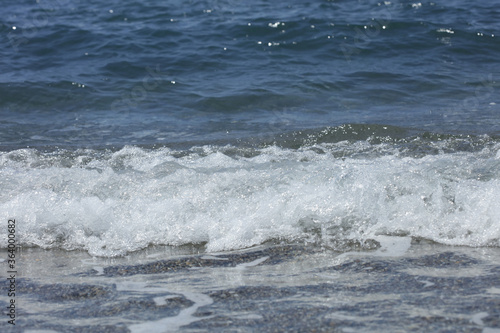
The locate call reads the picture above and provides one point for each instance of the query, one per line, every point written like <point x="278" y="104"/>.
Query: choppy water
<point x="113" y="202"/>
<point x="224" y="122"/>
<point x="228" y="124"/>
<point x="83" y="73"/>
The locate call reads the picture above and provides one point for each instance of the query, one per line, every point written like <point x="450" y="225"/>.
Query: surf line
<point x="12" y="272"/>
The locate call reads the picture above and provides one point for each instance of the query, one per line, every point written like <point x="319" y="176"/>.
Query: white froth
<point x="172" y="324"/>
<point x="392" y="246"/>
<point x="478" y="318"/>
<point x="252" y="263"/>
<point x="113" y="203"/>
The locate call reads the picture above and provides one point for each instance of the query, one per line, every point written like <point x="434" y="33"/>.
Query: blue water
<point x="87" y="73"/>
<point x="125" y="124"/>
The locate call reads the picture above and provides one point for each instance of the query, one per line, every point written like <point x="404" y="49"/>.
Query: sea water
<point x="110" y="203"/>
<point x="225" y="125"/>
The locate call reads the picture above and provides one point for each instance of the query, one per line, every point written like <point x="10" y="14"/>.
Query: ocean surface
<point x="252" y="138"/>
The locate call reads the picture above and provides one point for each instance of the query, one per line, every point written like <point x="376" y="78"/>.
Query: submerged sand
<point x="425" y="287"/>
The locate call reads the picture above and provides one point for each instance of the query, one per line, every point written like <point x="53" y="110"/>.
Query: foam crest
<point x="111" y="203"/>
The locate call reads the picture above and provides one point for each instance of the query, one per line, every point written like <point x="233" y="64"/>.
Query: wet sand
<point x="426" y="287"/>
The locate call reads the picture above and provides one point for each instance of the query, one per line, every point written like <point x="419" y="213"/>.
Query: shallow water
<point x="419" y="287"/>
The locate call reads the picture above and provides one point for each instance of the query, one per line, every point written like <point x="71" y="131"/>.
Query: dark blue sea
<point x="207" y="127"/>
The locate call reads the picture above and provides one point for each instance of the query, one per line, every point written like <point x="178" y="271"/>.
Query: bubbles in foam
<point x="110" y="203"/>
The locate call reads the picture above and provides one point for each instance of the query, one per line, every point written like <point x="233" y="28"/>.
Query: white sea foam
<point x="172" y="324"/>
<point x="111" y="203"/>
<point x="478" y="318"/>
<point x="252" y="263"/>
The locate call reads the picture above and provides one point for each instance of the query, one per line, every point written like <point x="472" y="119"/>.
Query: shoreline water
<point x="421" y="287"/>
